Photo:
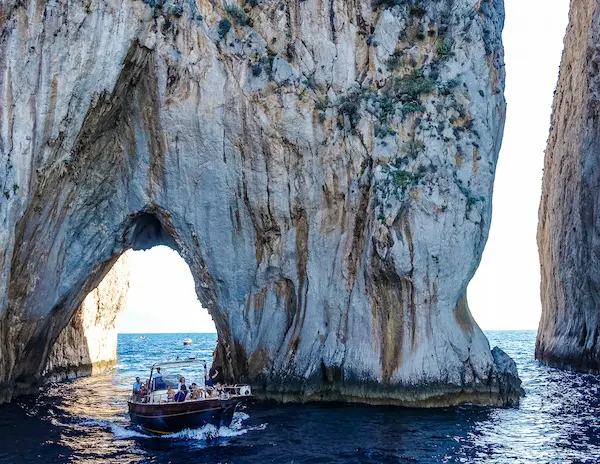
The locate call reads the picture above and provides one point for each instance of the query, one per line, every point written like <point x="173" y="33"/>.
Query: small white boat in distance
<point x="187" y="341"/>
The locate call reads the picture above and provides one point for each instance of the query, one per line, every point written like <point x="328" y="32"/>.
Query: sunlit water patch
<point x="86" y="421"/>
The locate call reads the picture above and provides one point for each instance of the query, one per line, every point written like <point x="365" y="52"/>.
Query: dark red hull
<point x="163" y="418"/>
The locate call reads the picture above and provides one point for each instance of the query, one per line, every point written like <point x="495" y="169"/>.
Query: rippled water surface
<point x="86" y="421"/>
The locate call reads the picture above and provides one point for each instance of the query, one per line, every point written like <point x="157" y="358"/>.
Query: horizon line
<point x="163" y="333"/>
<point x="216" y="333"/>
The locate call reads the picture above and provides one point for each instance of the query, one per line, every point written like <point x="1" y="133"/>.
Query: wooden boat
<point x="155" y="413"/>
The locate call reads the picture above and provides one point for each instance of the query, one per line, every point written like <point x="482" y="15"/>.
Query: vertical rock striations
<point x="569" y="227"/>
<point x="325" y="169"/>
<point x="88" y="344"/>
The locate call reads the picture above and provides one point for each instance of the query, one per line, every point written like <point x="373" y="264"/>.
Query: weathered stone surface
<point x="88" y="344"/>
<point x="325" y="169"/>
<point x="569" y="227"/>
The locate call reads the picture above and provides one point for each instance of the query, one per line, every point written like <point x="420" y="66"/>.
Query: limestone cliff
<point x="88" y="344"/>
<point x="324" y="167"/>
<point x="569" y="229"/>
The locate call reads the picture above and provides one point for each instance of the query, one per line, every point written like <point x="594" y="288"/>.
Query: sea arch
<point x="334" y="268"/>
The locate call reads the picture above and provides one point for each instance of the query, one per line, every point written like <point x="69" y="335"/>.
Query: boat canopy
<point x="178" y="363"/>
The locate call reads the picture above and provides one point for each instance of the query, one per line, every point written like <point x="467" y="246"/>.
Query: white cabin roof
<point x="178" y="363"/>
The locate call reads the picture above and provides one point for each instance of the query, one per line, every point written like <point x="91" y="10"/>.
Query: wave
<point x="206" y="433"/>
<point x="212" y="432"/>
<point x="123" y="433"/>
<point x="120" y="432"/>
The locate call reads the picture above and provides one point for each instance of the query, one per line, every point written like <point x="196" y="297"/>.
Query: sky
<point x="504" y="294"/>
<point x="161" y="286"/>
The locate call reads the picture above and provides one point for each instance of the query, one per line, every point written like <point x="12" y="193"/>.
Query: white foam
<point x="119" y="432"/>
<point x="211" y="432"/>
<point x="122" y="433"/>
<point x="206" y="433"/>
<point x="94" y="423"/>
<point x="57" y="423"/>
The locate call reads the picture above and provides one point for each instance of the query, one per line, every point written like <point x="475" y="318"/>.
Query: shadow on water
<point x="27" y="437"/>
<point x="86" y="421"/>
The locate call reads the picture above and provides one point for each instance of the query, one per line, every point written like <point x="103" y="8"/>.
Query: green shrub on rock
<point x="237" y="13"/>
<point x="412" y="107"/>
<point x="413" y="148"/>
<point x="443" y="50"/>
<point x="385" y="4"/>
<point x="402" y="179"/>
<point x="412" y="85"/>
<point x="223" y="28"/>
<point x="417" y="10"/>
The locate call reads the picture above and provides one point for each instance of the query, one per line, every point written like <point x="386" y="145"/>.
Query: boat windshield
<point x="170" y="381"/>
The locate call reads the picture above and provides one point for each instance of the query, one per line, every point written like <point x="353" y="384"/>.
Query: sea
<point x="85" y="421"/>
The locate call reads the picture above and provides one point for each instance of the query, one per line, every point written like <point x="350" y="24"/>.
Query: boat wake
<point x="125" y="433"/>
<point x="211" y="432"/>
<point x="206" y="433"/>
<point x="120" y="432"/>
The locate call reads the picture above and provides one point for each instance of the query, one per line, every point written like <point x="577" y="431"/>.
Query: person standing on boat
<point x="137" y="389"/>
<point x="209" y="379"/>
<point x="159" y="383"/>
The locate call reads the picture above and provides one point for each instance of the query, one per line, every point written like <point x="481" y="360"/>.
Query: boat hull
<point x="163" y="418"/>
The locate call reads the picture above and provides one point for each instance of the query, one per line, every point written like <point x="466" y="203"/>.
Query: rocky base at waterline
<point x="324" y="168"/>
<point x="501" y="388"/>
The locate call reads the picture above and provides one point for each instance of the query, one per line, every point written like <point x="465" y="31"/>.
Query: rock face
<point x="569" y="227"/>
<point x="324" y="167"/>
<point x="88" y="344"/>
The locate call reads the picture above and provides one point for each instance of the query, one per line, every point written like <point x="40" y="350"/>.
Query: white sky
<point x="504" y="294"/>
<point x="162" y="296"/>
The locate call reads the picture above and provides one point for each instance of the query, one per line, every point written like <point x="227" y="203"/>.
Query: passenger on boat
<point x="194" y="392"/>
<point x="209" y="379"/>
<point x="170" y="393"/>
<point x="179" y="396"/>
<point x="182" y="385"/>
<point x="137" y="388"/>
<point x="159" y="383"/>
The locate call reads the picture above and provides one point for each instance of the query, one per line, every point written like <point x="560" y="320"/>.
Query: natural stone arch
<point x="333" y="255"/>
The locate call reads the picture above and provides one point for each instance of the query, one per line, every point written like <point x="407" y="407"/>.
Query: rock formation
<point x="88" y="344"/>
<point x="325" y="168"/>
<point x="569" y="228"/>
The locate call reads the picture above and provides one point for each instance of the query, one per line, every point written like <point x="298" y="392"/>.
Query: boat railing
<point x="238" y="390"/>
<point x="208" y="393"/>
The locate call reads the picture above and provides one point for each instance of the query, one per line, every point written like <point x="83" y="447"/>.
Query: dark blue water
<point x="86" y="421"/>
